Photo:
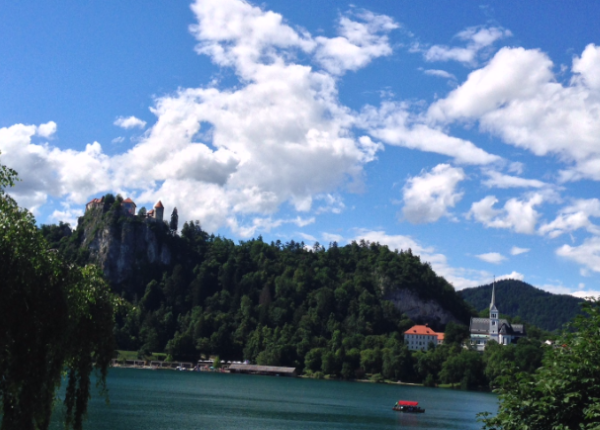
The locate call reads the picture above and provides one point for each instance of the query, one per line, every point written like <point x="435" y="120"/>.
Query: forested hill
<point x="271" y="303"/>
<point x="519" y="299"/>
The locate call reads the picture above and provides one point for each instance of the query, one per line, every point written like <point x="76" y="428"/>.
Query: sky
<point x="467" y="131"/>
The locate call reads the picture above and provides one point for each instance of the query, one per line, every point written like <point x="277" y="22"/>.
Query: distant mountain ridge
<point x="519" y="299"/>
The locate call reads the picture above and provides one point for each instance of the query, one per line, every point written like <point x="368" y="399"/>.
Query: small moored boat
<point x="408" y="406"/>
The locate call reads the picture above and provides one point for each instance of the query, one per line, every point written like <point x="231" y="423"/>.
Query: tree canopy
<point x="564" y="393"/>
<point x="53" y="317"/>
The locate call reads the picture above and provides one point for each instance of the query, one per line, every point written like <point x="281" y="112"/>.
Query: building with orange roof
<point x="128" y="206"/>
<point x="419" y="337"/>
<point x="159" y="210"/>
<point x="94" y="203"/>
<point x="440" y="337"/>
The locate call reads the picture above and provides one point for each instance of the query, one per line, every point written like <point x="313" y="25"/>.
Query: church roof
<point x="159" y="205"/>
<point x="482" y="326"/>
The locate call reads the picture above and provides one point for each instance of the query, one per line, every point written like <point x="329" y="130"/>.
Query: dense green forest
<point x="271" y="303"/>
<point x="518" y="299"/>
<point x="323" y="311"/>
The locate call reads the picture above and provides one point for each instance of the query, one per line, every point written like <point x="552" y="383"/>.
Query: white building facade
<point x="419" y="337"/>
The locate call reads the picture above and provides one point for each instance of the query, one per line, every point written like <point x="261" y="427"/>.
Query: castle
<point x="129" y="207"/>
<point x="493" y="328"/>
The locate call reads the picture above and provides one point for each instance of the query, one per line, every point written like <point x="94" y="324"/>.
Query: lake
<point x="165" y="400"/>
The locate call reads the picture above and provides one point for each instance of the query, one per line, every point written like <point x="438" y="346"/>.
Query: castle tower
<point x="494" y="315"/>
<point x="159" y="210"/>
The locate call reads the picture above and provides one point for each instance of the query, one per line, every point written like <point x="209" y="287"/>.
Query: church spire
<point x="494" y="321"/>
<point x="493" y="303"/>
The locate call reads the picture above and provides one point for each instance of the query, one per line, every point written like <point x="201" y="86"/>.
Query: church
<point x="493" y="328"/>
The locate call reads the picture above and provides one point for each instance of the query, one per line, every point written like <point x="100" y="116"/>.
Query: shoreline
<point x="224" y="370"/>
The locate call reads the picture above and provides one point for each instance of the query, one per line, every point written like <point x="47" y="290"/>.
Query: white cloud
<point x="516" y="96"/>
<point x="517" y="215"/>
<point x="393" y="124"/>
<point x="358" y="43"/>
<point x="429" y="196"/>
<point x="307" y="236"/>
<point x="561" y="289"/>
<point x="477" y="38"/>
<point x="46" y="130"/>
<point x="499" y="180"/>
<point x="46" y="170"/>
<point x="292" y="142"/>
<point x="587" y="294"/>
<point x="439" y="73"/>
<point x="588" y="67"/>
<point x="516" y="167"/>
<point x="129" y="122"/>
<point x="119" y="139"/>
<point x="332" y="237"/>
<point x="586" y="254"/>
<point x="492" y="257"/>
<point x="68" y="214"/>
<point x="264" y="225"/>
<point x="332" y="203"/>
<point x="574" y="217"/>
<point x="515" y="250"/>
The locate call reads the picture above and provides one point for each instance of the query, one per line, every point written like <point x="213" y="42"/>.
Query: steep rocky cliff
<point x="420" y="310"/>
<point x="127" y="248"/>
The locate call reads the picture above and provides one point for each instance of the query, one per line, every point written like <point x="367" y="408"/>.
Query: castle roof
<point x="420" y="329"/>
<point x="159" y="205"/>
<point x="95" y="201"/>
<point x="128" y="200"/>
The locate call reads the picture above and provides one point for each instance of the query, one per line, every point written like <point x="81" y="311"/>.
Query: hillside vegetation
<point x="272" y="303"/>
<point x="518" y="299"/>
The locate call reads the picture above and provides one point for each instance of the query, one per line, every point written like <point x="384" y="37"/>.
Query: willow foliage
<point x="56" y="320"/>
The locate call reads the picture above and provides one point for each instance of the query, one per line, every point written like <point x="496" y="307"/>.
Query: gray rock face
<point x="121" y="248"/>
<point x="419" y="310"/>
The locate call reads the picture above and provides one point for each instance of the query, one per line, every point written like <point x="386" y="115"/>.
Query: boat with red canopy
<point x="408" y="406"/>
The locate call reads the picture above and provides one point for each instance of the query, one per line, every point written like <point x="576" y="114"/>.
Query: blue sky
<point x="468" y="132"/>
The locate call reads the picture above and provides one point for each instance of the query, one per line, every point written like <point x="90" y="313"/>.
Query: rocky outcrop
<point x="420" y="311"/>
<point x="123" y="245"/>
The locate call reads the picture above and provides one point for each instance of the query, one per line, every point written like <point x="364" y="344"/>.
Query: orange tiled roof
<point x="95" y="201"/>
<point x="440" y="336"/>
<point x="159" y="205"/>
<point x="128" y="200"/>
<point x="420" y="329"/>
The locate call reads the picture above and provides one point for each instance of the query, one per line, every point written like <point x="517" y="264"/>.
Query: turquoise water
<point x="165" y="400"/>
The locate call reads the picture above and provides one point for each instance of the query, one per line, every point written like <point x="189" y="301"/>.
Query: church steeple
<point x="494" y="320"/>
<point x="493" y="302"/>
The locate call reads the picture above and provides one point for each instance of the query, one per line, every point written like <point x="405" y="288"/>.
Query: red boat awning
<point x="407" y="403"/>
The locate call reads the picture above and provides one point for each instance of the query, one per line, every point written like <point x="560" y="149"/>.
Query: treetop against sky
<point x="467" y="132"/>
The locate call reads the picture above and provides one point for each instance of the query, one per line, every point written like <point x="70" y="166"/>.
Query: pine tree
<point x="174" y="220"/>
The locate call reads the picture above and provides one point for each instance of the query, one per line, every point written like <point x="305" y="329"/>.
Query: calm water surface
<point x="164" y="400"/>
